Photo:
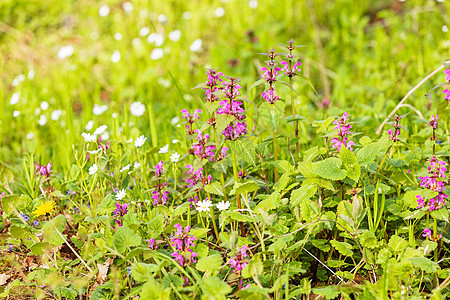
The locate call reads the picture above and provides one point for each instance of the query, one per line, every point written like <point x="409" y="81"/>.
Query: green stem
<point x="435" y="236"/>
<point x="293" y="113"/>
<point x="213" y="220"/>
<point x="275" y="153"/>
<point x="382" y="162"/>
<point x="222" y="179"/>
<point x="238" y="196"/>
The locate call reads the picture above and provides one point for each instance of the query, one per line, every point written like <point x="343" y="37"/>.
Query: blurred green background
<point x="65" y="63"/>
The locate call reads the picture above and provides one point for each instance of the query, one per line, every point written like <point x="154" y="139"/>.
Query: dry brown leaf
<point x="4" y="278"/>
<point x="103" y="270"/>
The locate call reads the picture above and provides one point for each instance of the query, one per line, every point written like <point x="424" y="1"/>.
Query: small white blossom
<point x="175" y="120"/>
<point x="121" y="194"/>
<point x="175" y="35"/>
<point x="219" y="12"/>
<point x="157" y="53"/>
<point x="30" y="135"/>
<point x="129" y="141"/>
<point x="162" y="19"/>
<point x="444" y="28"/>
<point x="99" y="109"/>
<point x="137" y="165"/>
<point x="114" y="115"/>
<point x="89" y="125"/>
<point x="174" y="141"/>
<point x="118" y="36"/>
<point x="56" y="114"/>
<point x="65" y="52"/>
<point x="175" y="157"/>
<point x="44" y="105"/>
<point x="89" y="137"/>
<point x="140" y="141"/>
<point x="137" y="109"/>
<point x="37" y="111"/>
<point x="223" y="205"/>
<point x="31" y="74"/>
<point x="187" y="15"/>
<point x="100" y="130"/>
<point x="103" y="11"/>
<point x="164" y="82"/>
<point x="18" y="80"/>
<point x="95" y="151"/>
<point x="203" y="205"/>
<point x="127" y="167"/>
<point x="156" y="38"/>
<point x="115" y="57"/>
<point x="93" y="169"/>
<point x="144" y="31"/>
<point x="196" y="46"/>
<point x="128" y="7"/>
<point x="16" y="113"/>
<point x="105" y="136"/>
<point x="42" y="120"/>
<point x="253" y="4"/>
<point x="164" y="149"/>
<point x="14" y="98"/>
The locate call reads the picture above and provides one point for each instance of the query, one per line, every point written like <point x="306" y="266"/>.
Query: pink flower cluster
<point x="202" y="149"/>
<point x="160" y="195"/>
<point x="343" y="128"/>
<point x="152" y="245"/>
<point x="196" y="176"/>
<point x="211" y="83"/>
<point x="270" y="74"/>
<point x="238" y="262"/>
<point x="232" y="107"/>
<point x="43" y="170"/>
<point x="447" y="73"/>
<point x="434" y="122"/>
<point x="190" y="119"/>
<point x="120" y="211"/>
<point x="427" y="233"/>
<point x="395" y="133"/>
<point x="436" y="171"/>
<point x="183" y="241"/>
<point x="288" y="70"/>
<point x="447" y="94"/>
<point x="270" y="96"/>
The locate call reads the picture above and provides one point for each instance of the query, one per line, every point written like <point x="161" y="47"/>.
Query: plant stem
<point x="222" y="179"/>
<point x="435" y="236"/>
<point x="293" y="114"/>
<point x="275" y="153"/>
<point x="238" y="196"/>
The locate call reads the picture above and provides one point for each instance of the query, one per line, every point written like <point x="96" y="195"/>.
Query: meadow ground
<point x="224" y="149"/>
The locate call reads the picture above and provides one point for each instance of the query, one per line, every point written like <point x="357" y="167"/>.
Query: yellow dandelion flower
<point x="44" y="208"/>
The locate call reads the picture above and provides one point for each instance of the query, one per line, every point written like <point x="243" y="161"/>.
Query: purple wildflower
<point x="121" y="209"/>
<point x="151" y="244"/>
<point x="447" y="72"/>
<point x="270" y="95"/>
<point x="343" y="128"/>
<point x="238" y="262"/>
<point x="288" y="70"/>
<point x="159" y="169"/>
<point x="447" y="94"/>
<point x="44" y="170"/>
<point x="434" y="122"/>
<point x="190" y="119"/>
<point x="436" y="171"/>
<point x="182" y="242"/>
<point x="202" y="149"/>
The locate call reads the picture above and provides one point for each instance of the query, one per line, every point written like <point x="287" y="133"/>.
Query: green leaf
<point x="256" y="83"/>
<point x="440" y="214"/>
<point x="237" y="216"/>
<point x="397" y="244"/>
<point x="199" y="232"/>
<point x="329" y="292"/>
<point x="330" y="169"/>
<point x="49" y="233"/>
<point x="306" y="191"/>
<point x="272" y="114"/>
<point x="125" y="237"/>
<point x="283" y="166"/>
<point x="142" y="272"/>
<point x="212" y="106"/>
<point x="354" y="172"/>
<point x="65" y="292"/>
<point x="41" y="247"/>
<point x="172" y="279"/>
<point x="214" y="188"/>
<point x="368" y="240"/>
<point x="307" y="168"/>
<point x="215" y="288"/>
<point x="254" y="268"/>
<point x="424" y="264"/>
<point x="246" y="187"/>
<point x="222" y="121"/>
<point x="244" y="149"/>
<point x="368" y="153"/>
<point x="273" y="201"/>
<point x="410" y="197"/>
<point x="347" y="157"/>
<point x="342" y="247"/>
<point x="10" y="201"/>
<point x="152" y="290"/>
<point x="320" y="244"/>
<point x="210" y="264"/>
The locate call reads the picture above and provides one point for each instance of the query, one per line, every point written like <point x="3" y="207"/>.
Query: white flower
<point x="103" y="11"/>
<point x="65" y="52"/>
<point x="175" y="157"/>
<point x="253" y="4"/>
<point x="203" y="205"/>
<point x="93" y="169"/>
<point x="164" y="149"/>
<point x="144" y="31"/>
<point x="30" y="135"/>
<point x="118" y="36"/>
<point x="105" y="136"/>
<point x="444" y="28"/>
<point x="157" y="53"/>
<point x="140" y="141"/>
<point x="100" y="130"/>
<point x="31" y="74"/>
<point x="128" y="7"/>
<point x="14" y="98"/>
<point x="162" y="18"/>
<point x="115" y="57"/>
<point x="89" y="137"/>
<point x="156" y="38"/>
<point x="42" y="120"/>
<point x="137" y="109"/>
<point x="175" y="120"/>
<point x="95" y="151"/>
<point x="175" y="35"/>
<point x="44" y="105"/>
<point x="121" y="194"/>
<point x="137" y="165"/>
<point x="219" y="12"/>
<point x="129" y="141"/>
<point x="163" y="82"/>
<point x="56" y="114"/>
<point x="16" y="113"/>
<point x="18" y="80"/>
<point x="127" y="167"/>
<point x="196" y="46"/>
<point x="187" y="15"/>
<point x="114" y="115"/>
<point x="37" y="111"/>
<point x="174" y="141"/>
<point x="223" y="205"/>
<point x="99" y="109"/>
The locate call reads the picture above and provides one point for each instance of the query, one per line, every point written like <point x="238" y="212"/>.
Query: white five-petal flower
<point x="204" y="205"/>
<point x="127" y="167"/>
<point x="100" y="130"/>
<point x="164" y="149"/>
<point x="93" y="169"/>
<point x="89" y="137"/>
<point x="223" y="205"/>
<point x="140" y="141"/>
<point x="121" y="194"/>
<point x="175" y="157"/>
